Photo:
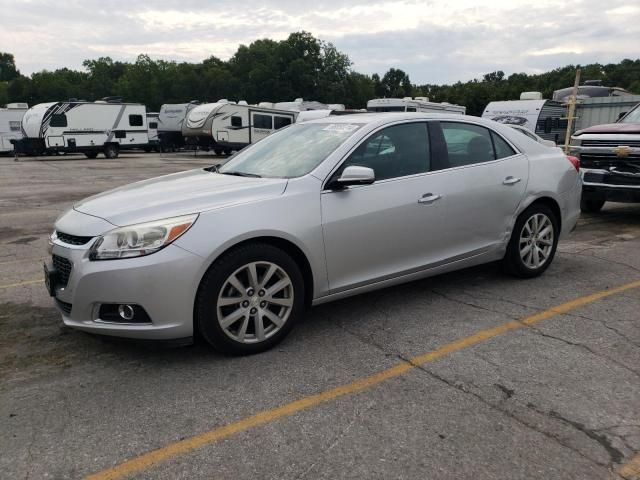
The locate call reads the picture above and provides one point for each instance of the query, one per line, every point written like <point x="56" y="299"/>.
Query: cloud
<point x="435" y="41"/>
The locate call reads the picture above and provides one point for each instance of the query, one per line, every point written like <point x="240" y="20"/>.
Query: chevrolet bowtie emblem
<point x="623" y="151"/>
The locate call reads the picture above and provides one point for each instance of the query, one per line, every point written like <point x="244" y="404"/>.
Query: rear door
<point x="481" y="183"/>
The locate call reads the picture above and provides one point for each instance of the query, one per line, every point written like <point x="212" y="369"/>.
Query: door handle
<point x="511" y="180"/>
<point x="429" y="198"/>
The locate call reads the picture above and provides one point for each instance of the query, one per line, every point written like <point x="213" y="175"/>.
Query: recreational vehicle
<point x="224" y="126"/>
<point x="85" y="127"/>
<point x="10" y="125"/>
<point x="417" y="104"/>
<point x="545" y="118"/>
<point x="170" y="121"/>
<point x="152" y="131"/>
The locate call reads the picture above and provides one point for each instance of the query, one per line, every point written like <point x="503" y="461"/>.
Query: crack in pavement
<point x="460" y="387"/>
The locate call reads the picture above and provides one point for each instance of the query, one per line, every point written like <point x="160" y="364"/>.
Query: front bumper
<point x="613" y="186"/>
<point x="163" y="283"/>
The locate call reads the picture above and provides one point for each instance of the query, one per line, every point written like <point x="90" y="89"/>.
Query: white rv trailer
<point x="11" y="125"/>
<point x="224" y="126"/>
<point x="85" y="127"/>
<point x="170" y="120"/>
<point x="302" y="105"/>
<point x="545" y="118"/>
<point x="417" y="104"/>
<point x="152" y="131"/>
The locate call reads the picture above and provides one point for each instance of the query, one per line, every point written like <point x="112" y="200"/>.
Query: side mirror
<point x="355" y="175"/>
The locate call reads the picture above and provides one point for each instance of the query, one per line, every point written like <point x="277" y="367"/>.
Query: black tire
<point x="591" y="203"/>
<point x="512" y="261"/>
<point x="111" y="151"/>
<point x="147" y="149"/>
<point x="206" y="316"/>
<point x="91" y="154"/>
<point x="218" y="151"/>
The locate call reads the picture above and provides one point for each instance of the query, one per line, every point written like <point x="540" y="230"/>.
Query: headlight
<point x="141" y="239"/>
<point x="576" y="142"/>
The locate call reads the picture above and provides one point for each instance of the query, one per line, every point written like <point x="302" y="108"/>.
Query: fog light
<point x="125" y="312"/>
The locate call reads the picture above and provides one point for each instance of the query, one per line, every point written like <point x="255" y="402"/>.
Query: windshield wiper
<point x="213" y="168"/>
<point x="240" y="174"/>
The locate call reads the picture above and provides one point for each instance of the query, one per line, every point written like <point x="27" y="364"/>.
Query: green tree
<point x="8" y="70"/>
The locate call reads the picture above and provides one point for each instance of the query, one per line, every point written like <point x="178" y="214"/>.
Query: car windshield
<point x="291" y="152"/>
<point x="633" y="116"/>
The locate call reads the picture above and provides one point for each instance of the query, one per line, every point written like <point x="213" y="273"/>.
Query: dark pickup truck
<point x="609" y="161"/>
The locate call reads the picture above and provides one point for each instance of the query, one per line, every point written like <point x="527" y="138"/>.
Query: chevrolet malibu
<point x="315" y="212"/>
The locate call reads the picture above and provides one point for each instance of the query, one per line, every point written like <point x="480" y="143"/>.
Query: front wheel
<point x="591" y="203"/>
<point x="533" y="242"/>
<point x="249" y="299"/>
<point x="111" y="151"/>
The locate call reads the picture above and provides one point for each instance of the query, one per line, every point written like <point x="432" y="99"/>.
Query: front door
<point x="373" y="232"/>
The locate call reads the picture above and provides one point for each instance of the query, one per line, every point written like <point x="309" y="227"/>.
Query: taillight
<point x="575" y="161"/>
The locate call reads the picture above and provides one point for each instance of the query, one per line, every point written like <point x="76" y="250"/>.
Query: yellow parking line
<point x="181" y="447"/>
<point x="631" y="471"/>
<point x="20" y="284"/>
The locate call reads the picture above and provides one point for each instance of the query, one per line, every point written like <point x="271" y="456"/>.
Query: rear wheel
<point x="249" y="299"/>
<point x="533" y="242"/>
<point x="111" y="151"/>
<point x="91" y="154"/>
<point x="591" y="203"/>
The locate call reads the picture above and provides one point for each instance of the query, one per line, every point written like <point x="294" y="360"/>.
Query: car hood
<point x="612" y="128"/>
<point x="177" y="194"/>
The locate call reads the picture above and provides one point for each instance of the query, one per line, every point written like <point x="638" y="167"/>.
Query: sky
<point x="434" y="41"/>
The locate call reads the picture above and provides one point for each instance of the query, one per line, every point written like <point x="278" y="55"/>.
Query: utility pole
<point x="573" y="99"/>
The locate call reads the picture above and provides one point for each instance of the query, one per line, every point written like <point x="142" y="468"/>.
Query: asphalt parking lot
<point x="467" y="375"/>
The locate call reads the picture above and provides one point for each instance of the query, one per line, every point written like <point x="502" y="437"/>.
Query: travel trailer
<point x="170" y="120"/>
<point x="85" y="127"/>
<point x="11" y="125"/>
<point x="224" y="126"/>
<point x="152" y="131"/>
<point x="590" y="89"/>
<point x="417" y="104"/>
<point x="545" y="118"/>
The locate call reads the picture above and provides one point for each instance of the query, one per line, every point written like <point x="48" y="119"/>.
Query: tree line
<point x="268" y="70"/>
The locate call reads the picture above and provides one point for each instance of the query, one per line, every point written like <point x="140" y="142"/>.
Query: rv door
<point x="261" y="125"/>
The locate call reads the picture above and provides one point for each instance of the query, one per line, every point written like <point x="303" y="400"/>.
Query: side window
<point x="411" y="109"/>
<point x="282" y="122"/>
<point x="467" y="144"/>
<point x="14" y="126"/>
<point x="135" y="120"/>
<point x="502" y="148"/>
<point x="153" y="125"/>
<point x="263" y="121"/>
<point x="394" y="152"/>
<point x="236" y="121"/>
<point x="58" y="120"/>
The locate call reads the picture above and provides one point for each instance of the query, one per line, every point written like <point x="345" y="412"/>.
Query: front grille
<point x="63" y="270"/>
<point x="610" y="143"/>
<point x="64" y="306"/>
<point x="605" y="160"/>
<point x="72" y="239"/>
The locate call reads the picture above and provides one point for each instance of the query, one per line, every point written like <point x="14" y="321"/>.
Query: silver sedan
<point x="315" y="212"/>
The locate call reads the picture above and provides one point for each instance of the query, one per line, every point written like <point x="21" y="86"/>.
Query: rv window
<point x="502" y="148"/>
<point x="411" y="109"/>
<point x="58" y="120"/>
<point x="236" y="122"/>
<point x="14" y="126"/>
<point x="394" y="152"/>
<point x="135" y="120"/>
<point x="282" y="122"/>
<point x="120" y="134"/>
<point x="263" y="121"/>
<point x="467" y="144"/>
<point x="153" y="125"/>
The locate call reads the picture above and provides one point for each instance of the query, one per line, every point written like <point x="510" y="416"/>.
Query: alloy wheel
<point x="536" y="241"/>
<point x="255" y="302"/>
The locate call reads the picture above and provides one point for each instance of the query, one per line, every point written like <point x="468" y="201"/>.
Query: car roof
<point x="381" y="118"/>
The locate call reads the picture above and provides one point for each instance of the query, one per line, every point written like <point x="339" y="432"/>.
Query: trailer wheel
<point x="218" y="151"/>
<point x="92" y="154"/>
<point x="111" y="151"/>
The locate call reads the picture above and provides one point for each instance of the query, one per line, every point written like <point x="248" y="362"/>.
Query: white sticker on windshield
<point x="341" y="127"/>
